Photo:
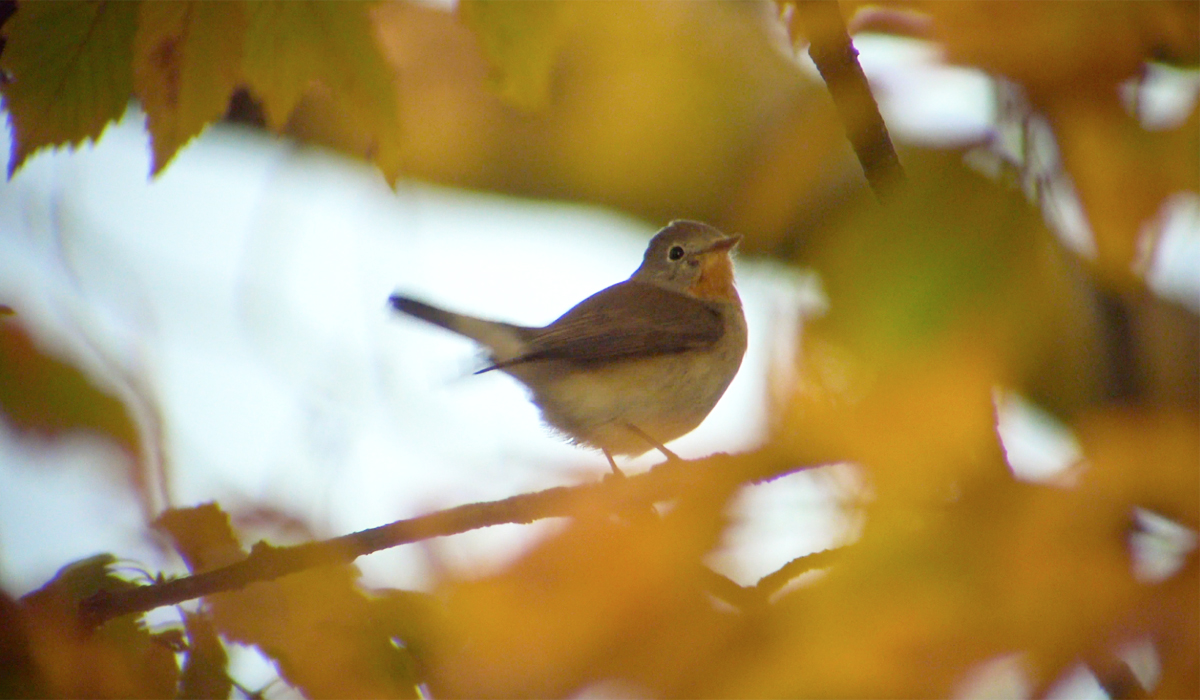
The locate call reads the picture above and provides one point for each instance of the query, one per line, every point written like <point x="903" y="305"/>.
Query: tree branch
<point x="771" y="583"/>
<point x="837" y="61"/>
<point x="266" y="563"/>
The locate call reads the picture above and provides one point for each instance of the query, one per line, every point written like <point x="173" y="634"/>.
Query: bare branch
<point x="771" y="583"/>
<point x="837" y="60"/>
<point x="266" y="563"/>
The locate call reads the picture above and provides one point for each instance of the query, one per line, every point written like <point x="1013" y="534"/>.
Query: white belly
<point x="665" y="396"/>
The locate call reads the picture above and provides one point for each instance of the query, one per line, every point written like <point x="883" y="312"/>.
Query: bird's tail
<point x="503" y="340"/>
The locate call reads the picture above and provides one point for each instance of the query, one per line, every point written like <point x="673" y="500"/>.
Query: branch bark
<point x="266" y="563"/>
<point x="836" y="59"/>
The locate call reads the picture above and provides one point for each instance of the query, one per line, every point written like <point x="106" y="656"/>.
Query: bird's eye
<point x="675" y="253"/>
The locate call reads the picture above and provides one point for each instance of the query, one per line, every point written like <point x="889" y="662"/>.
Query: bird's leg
<point x="631" y="511"/>
<point x="616" y="471"/>
<point x="653" y="443"/>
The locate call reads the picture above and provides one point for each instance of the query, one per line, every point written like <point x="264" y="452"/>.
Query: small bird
<point x="635" y="365"/>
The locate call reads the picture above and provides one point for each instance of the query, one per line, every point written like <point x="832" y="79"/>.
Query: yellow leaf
<point x="1145" y="456"/>
<point x="521" y="41"/>
<point x="120" y="659"/>
<point x="202" y="536"/>
<point x="186" y="63"/>
<point x="204" y="672"/>
<point x="316" y="624"/>
<point x="295" y="49"/>
<point x="921" y="426"/>
<point x="1057" y="45"/>
<point x="1123" y="173"/>
<point x="600" y="601"/>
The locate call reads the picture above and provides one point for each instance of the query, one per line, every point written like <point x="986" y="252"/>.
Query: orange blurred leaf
<point x="1071" y="59"/>
<point x="317" y="625"/>
<point x="1049" y="45"/>
<point x="603" y="600"/>
<point x="1145" y="456"/>
<point x="1123" y="173"/>
<point x="120" y="659"/>
<point x="919" y="426"/>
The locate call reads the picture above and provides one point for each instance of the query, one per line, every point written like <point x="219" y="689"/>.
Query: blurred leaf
<point x="120" y="659"/>
<point x="1176" y="607"/>
<point x="602" y="600"/>
<point x="186" y="64"/>
<point x="521" y="41"/>
<point x="954" y="289"/>
<point x="276" y="520"/>
<point x="1124" y="174"/>
<point x="317" y="624"/>
<point x="947" y="249"/>
<point x="204" y="667"/>
<point x="922" y="427"/>
<point x="47" y="397"/>
<point x="292" y="46"/>
<point x="1048" y="45"/>
<point x="935" y="300"/>
<point x="202" y="536"/>
<point x="71" y="69"/>
<point x="410" y="619"/>
<point x="319" y="628"/>
<point x="80" y="579"/>
<point x="660" y="109"/>
<point x="1147" y="457"/>
<point x="959" y="259"/>
<point x="20" y="676"/>
<point x="1071" y="59"/>
<point x="929" y="593"/>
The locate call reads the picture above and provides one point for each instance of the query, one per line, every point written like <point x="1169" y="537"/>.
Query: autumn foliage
<point x="946" y="288"/>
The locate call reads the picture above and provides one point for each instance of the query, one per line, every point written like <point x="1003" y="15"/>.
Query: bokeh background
<point x="223" y="333"/>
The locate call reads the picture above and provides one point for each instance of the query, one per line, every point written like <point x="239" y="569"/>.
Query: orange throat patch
<point x="716" y="279"/>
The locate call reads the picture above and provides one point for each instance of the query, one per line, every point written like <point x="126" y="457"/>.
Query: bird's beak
<point x="725" y="244"/>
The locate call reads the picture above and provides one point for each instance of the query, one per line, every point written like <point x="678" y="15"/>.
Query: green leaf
<point x="290" y="46"/>
<point x="70" y="66"/>
<point x="186" y="64"/>
<point x="943" y="256"/>
<point x="521" y="41"/>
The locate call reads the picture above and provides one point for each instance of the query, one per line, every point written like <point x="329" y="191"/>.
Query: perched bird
<point x="635" y="365"/>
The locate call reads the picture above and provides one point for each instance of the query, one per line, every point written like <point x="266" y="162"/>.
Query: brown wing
<point x="629" y="319"/>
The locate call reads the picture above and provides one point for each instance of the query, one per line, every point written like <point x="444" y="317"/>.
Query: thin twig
<point x="771" y="583"/>
<point x="266" y="563"/>
<point x="744" y="598"/>
<point x="837" y="61"/>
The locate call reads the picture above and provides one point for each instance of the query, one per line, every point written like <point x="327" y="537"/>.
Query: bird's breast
<point x="715" y="282"/>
